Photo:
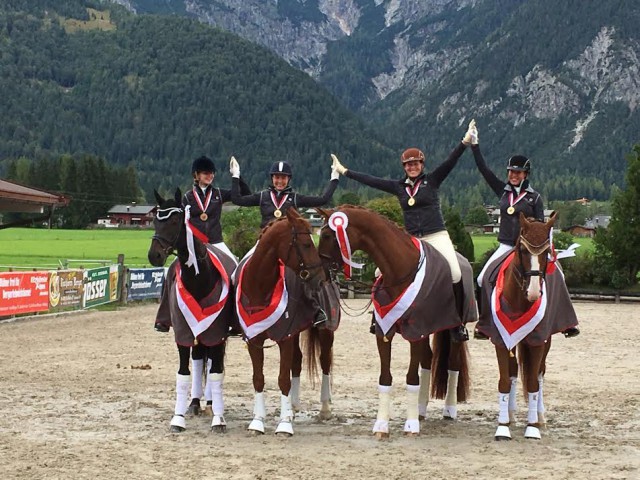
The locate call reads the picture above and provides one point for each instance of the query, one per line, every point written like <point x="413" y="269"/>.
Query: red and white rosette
<point x="338" y="222"/>
<point x="197" y="317"/>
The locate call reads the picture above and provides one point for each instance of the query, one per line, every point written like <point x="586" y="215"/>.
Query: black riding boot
<point x="571" y="332"/>
<point x="459" y="333"/>
<point x="477" y="334"/>
<point x="319" y="317"/>
<point x="372" y="327"/>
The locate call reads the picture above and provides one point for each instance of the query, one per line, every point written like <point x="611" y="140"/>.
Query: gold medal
<point x="277" y="213"/>
<point x="203" y="217"/>
<point x="412" y="201"/>
<point x="510" y="210"/>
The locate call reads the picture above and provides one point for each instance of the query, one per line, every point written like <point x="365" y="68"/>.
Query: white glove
<point x="336" y="167"/>
<point x="474" y="135"/>
<point x="234" y="168"/>
<point x="468" y="137"/>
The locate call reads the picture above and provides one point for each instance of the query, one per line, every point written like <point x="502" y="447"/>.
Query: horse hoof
<point x="422" y="417"/>
<point x="207" y="411"/>
<point x="381" y="435"/>
<point x="449" y="412"/>
<point x="256" y="427"/>
<point x="502" y="433"/>
<point x="532" y="433"/>
<point x="219" y="429"/>
<point x="255" y="433"/>
<point x="178" y="424"/>
<point x="325" y="414"/>
<point x="285" y="428"/>
<point x="194" y="410"/>
<point x="411" y="434"/>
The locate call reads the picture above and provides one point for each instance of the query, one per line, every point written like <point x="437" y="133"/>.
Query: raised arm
<point x="492" y="180"/>
<point x="240" y="192"/>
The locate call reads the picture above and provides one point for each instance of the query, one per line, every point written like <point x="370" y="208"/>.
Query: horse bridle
<point x="305" y="270"/>
<point x="162" y="215"/>
<point x="534" y="250"/>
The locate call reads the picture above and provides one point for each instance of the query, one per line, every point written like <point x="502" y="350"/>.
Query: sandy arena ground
<point x="75" y="405"/>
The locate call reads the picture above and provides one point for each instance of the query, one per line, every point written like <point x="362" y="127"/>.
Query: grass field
<point x="28" y="247"/>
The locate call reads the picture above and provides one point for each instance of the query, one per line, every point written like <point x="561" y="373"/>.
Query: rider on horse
<point x="205" y="202"/>
<point x="278" y="198"/>
<point x="516" y="195"/>
<point x="417" y="193"/>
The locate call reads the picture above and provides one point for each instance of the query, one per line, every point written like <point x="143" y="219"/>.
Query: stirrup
<point x="571" y="332"/>
<point x="460" y="334"/>
<point x="160" y="327"/>
<point x="319" y="318"/>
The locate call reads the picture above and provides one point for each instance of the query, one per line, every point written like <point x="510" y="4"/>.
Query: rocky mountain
<point x="555" y="80"/>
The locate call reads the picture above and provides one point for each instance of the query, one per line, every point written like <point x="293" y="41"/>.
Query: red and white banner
<point x="255" y="322"/>
<point x="23" y="292"/>
<point x="514" y="330"/>
<point x="200" y="318"/>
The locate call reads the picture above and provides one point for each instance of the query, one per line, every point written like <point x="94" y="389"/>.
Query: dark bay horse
<point x="200" y="299"/>
<point x="414" y="297"/>
<point x="271" y="305"/>
<point x="519" y="301"/>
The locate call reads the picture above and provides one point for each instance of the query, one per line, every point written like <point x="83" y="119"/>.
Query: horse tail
<point x="524" y="359"/>
<point x="442" y="351"/>
<point x="311" y="348"/>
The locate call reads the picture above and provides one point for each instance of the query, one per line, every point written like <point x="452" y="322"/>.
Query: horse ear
<point x="178" y="196"/>
<point x="324" y="213"/>
<point x="159" y="199"/>
<point x="552" y="218"/>
<point x="523" y="221"/>
<point x="292" y="214"/>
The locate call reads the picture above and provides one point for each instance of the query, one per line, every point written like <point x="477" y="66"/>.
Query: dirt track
<point x="73" y="407"/>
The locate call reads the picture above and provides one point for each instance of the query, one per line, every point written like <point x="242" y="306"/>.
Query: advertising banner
<point x="23" y="292"/>
<point x="145" y="283"/>
<point x="96" y="286"/>
<point x="65" y="289"/>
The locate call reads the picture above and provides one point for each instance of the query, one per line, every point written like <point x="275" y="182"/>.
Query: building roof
<point x="15" y="197"/>
<point x="132" y="209"/>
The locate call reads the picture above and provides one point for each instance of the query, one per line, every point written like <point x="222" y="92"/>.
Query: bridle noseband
<point x="162" y="215"/>
<point x="534" y="250"/>
<point x="305" y="270"/>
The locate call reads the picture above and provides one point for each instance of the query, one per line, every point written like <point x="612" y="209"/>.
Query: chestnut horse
<point x="270" y="304"/>
<point x="413" y="297"/>
<point x="203" y="273"/>
<point x="519" y="302"/>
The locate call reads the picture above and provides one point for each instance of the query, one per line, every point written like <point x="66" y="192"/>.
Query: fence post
<point x="123" y="280"/>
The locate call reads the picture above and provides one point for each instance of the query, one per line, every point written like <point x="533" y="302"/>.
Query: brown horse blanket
<point x="433" y="307"/>
<point x="169" y="312"/>
<point x="559" y="314"/>
<point x="291" y="308"/>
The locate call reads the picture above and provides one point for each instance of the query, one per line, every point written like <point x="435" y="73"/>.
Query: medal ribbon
<point x="411" y="191"/>
<point x="277" y="204"/>
<point x="197" y="317"/>
<point x="192" y="260"/>
<point x="338" y="222"/>
<point x="207" y="200"/>
<point x="512" y="202"/>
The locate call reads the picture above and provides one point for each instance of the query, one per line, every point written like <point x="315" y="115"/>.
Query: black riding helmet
<point x="519" y="163"/>
<point x="281" y="168"/>
<point x="203" y="164"/>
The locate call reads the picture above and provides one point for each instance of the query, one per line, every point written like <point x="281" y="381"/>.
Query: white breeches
<point x="442" y="243"/>
<point x="502" y="249"/>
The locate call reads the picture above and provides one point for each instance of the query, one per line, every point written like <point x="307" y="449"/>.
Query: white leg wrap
<point x="196" y="379"/>
<point x="451" y="400"/>
<point x="286" y="416"/>
<point x="532" y="414"/>
<point x="513" y="395"/>
<point x="503" y="408"/>
<point x="325" y="390"/>
<point x="423" y="394"/>
<point x="412" y="424"/>
<point x="216" y="380"/>
<point x="183" y="385"/>
<point x="259" y="413"/>
<point x="384" y="405"/>
<point x="294" y="393"/>
<point x="207" y="385"/>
